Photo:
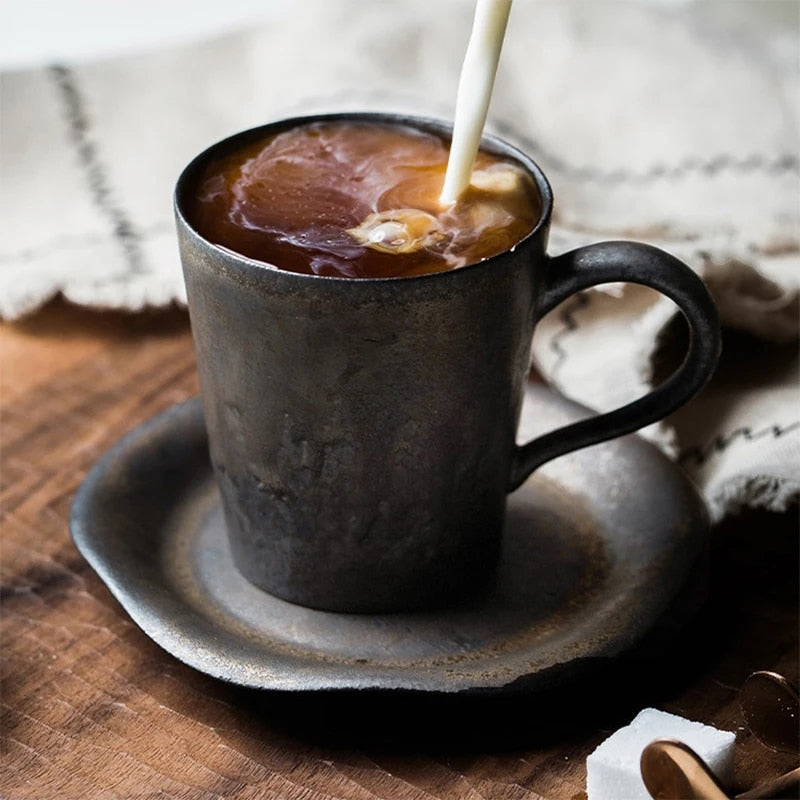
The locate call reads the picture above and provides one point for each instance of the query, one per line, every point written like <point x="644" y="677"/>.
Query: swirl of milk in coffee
<point x="406" y="230"/>
<point x="360" y="199"/>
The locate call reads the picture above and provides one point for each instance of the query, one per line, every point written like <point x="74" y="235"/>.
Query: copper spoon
<point x="771" y="708"/>
<point x="671" y="770"/>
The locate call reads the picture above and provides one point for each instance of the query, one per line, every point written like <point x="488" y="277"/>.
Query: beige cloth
<point x="673" y="125"/>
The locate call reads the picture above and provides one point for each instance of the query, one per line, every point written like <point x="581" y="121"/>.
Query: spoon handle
<point x="774" y="787"/>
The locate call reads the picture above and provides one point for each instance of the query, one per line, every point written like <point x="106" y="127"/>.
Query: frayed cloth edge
<point x="751" y="491"/>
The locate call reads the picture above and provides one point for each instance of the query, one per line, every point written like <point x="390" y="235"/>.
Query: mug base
<point x="367" y="589"/>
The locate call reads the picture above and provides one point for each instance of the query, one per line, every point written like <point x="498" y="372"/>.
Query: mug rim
<point x="489" y="142"/>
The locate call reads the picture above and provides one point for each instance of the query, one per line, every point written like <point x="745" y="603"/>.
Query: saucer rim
<point x="161" y="614"/>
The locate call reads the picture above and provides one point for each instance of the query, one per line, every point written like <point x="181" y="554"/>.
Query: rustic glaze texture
<point x="362" y="431"/>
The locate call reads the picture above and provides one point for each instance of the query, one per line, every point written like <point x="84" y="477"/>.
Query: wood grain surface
<point x="93" y="709"/>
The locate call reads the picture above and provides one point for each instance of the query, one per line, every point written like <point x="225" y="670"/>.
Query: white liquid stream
<point x="474" y="93"/>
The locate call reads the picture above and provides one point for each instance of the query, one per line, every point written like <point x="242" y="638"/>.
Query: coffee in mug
<point x="360" y="199"/>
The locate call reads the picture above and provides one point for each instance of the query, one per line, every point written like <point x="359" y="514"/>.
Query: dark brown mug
<point x="362" y="431"/>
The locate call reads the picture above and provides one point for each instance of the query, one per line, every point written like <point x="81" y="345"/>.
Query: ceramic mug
<point x="362" y="431"/>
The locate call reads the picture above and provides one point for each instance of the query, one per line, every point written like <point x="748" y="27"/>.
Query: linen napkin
<point x="671" y="125"/>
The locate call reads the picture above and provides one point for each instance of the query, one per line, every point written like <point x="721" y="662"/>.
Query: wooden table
<point x="93" y="709"/>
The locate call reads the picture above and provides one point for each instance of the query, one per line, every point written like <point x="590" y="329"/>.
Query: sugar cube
<point x="612" y="770"/>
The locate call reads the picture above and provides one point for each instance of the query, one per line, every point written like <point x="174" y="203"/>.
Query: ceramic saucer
<point x="597" y="545"/>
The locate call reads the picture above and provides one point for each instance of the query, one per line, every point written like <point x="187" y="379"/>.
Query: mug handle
<point x="627" y="262"/>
